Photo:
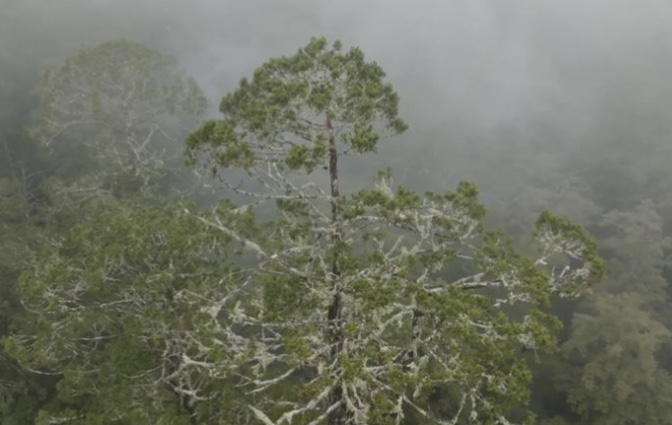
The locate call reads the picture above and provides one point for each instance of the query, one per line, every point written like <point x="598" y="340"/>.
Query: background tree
<point x="372" y="300"/>
<point x="99" y="102"/>
<point x="612" y="373"/>
<point x="612" y="364"/>
<point x="117" y="111"/>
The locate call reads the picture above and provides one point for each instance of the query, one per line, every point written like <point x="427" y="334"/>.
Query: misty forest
<point x="335" y="213"/>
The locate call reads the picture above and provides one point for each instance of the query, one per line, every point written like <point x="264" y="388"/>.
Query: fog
<point x="473" y="75"/>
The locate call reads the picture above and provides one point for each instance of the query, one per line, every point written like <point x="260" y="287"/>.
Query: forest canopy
<point x="344" y="307"/>
<point x="289" y="258"/>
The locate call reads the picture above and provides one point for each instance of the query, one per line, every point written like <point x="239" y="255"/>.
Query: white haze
<point x="474" y="75"/>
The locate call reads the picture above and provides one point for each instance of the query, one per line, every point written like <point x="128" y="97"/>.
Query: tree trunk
<point x="335" y="334"/>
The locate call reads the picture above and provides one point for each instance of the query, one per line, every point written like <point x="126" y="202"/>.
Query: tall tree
<point x="369" y="301"/>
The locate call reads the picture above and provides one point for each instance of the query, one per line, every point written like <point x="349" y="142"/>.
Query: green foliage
<point x="612" y="359"/>
<point x="109" y="303"/>
<point x="292" y="105"/>
<point x="572" y="240"/>
<point x="614" y="375"/>
<point x="20" y="392"/>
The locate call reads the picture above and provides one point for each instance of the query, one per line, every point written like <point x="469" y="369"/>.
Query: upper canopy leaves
<point x="294" y="104"/>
